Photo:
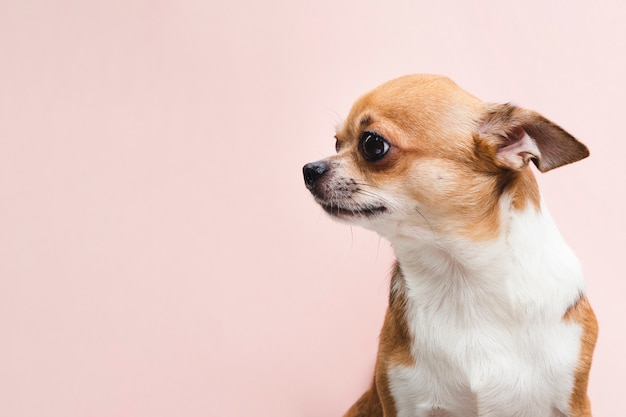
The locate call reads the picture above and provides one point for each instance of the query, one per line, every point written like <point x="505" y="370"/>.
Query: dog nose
<point x="313" y="171"/>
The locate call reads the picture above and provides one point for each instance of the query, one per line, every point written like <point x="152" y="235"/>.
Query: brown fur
<point x="582" y="314"/>
<point x="368" y="405"/>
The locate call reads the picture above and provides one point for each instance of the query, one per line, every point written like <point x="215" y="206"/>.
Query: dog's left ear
<point x="520" y="136"/>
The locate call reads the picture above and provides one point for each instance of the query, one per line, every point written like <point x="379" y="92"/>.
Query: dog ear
<point x="521" y="135"/>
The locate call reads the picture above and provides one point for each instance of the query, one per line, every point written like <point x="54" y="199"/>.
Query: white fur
<point x="487" y="320"/>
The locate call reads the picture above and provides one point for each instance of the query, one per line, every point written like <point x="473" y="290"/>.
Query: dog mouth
<point x="359" y="211"/>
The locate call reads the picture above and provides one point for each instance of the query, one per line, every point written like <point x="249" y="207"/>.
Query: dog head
<point x="418" y="154"/>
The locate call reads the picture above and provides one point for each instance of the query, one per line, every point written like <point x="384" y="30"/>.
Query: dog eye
<point x="337" y="144"/>
<point x="373" y="146"/>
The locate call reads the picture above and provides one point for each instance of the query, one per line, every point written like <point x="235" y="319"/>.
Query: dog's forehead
<point x="415" y="103"/>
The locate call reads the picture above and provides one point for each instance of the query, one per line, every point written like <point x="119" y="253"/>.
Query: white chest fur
<point x="487" y="323"/>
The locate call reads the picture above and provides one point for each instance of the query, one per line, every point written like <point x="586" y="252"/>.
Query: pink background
<point x="159" y="254"/>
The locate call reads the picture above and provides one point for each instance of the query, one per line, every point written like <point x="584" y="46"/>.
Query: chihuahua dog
<point x="487" y="311"/>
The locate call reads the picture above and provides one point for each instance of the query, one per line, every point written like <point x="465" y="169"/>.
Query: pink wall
<point x="159" y="255"/>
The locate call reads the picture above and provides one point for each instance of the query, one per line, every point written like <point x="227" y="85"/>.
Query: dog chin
<point x="355" y="212"/>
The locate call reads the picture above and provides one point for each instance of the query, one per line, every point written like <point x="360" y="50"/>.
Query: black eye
<point x="373" y="146"/>
<point x="337" y="144"/>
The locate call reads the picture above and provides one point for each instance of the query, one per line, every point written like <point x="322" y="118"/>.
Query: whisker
<point x="391" y="204"/>
<point x="377" y="197"/>
<point x="351" y="238"/>
<point x="430" y="226"/>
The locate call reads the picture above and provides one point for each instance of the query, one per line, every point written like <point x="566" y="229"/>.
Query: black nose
<point x="314" y="171"/>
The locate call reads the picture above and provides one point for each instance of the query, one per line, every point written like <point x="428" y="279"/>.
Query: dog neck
<point x="528" y="268"/>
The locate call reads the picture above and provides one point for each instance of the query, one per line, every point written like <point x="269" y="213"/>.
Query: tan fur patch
<point x="394" y="350"/>
<point x="582" y="314"/>
<point x="395" y="341"/>
<point x="396" y="338"/>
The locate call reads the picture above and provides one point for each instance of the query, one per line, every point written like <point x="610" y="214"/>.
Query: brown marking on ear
<point x="557" y="147"/>
<point x="582" y="314"/>
<point x="501" y="125"/>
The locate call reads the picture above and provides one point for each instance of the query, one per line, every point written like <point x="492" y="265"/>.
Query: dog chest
<point x="487" y="369"/>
